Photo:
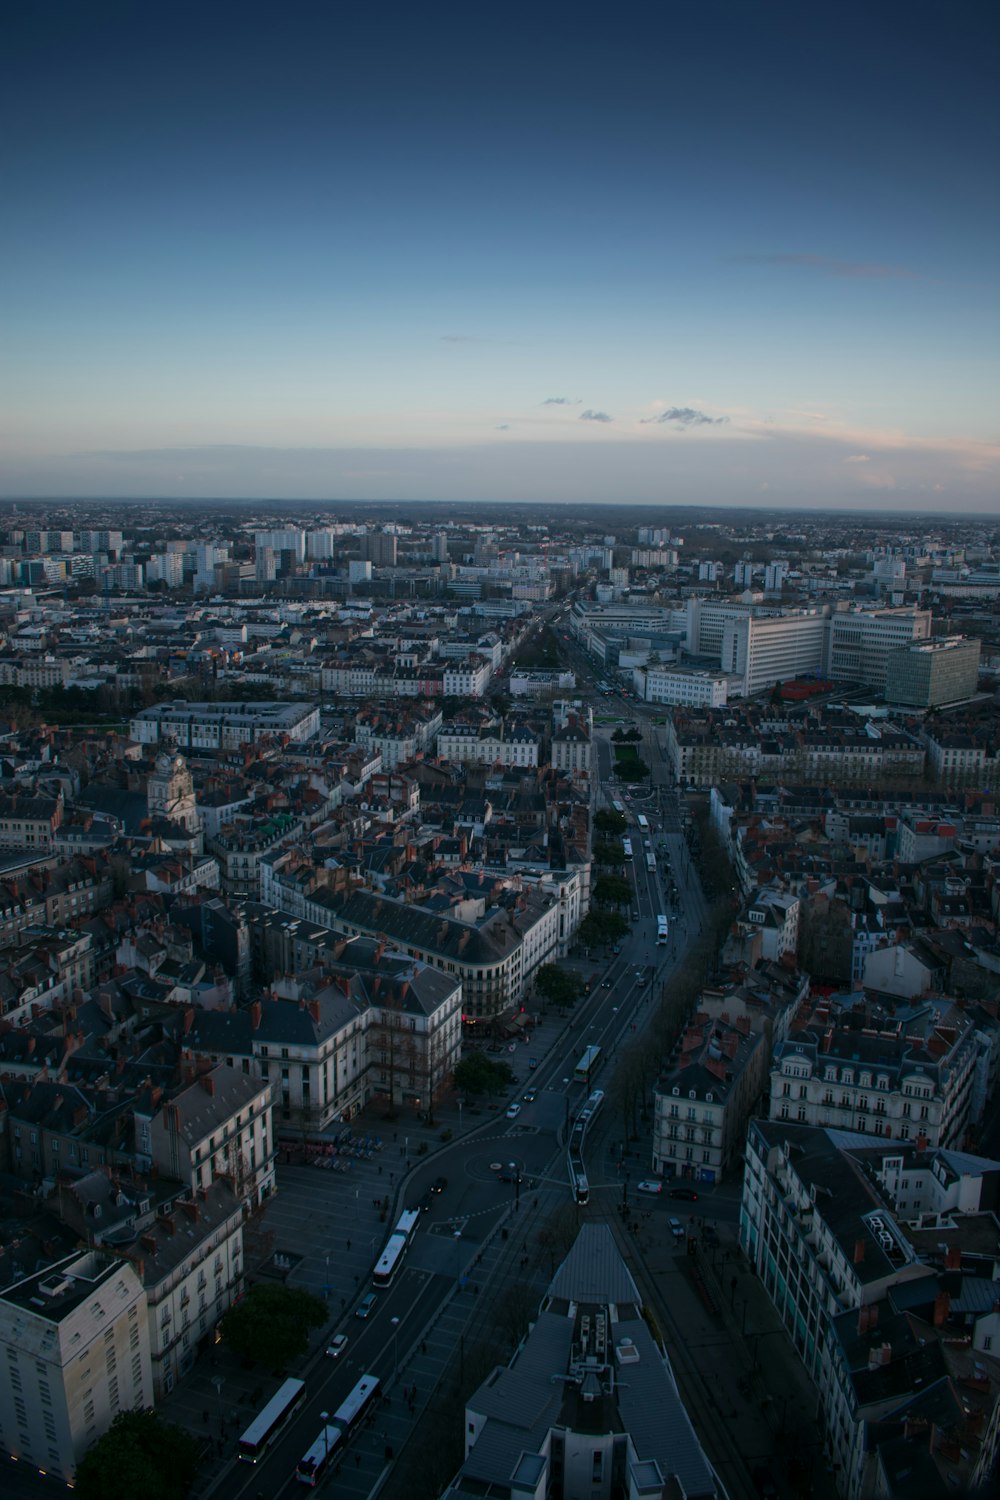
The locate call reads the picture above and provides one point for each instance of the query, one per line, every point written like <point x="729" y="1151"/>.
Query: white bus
<point x="662" y="931"/>
<point x="391" y="1258"/>
<point x="352" y="1410"/>
<point x="651" y="862"/>
<point x="265" y="1427"/>
<point x="643" y="823"/>
<point x="311" y="1468"/>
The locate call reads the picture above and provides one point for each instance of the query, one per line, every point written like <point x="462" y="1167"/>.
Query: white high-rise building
<point x="74" y="1340"/>
<point x="860" y="641"/>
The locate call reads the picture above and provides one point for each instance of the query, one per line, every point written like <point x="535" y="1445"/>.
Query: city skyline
<point x="456" y="258"/>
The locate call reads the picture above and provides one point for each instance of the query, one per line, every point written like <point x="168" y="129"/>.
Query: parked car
<point x="365" y="1306"/>
<point x="649" y="1185"/>
<point x="513" y="1111"/>
<point x="532" y="1062"/>
<point x="688" y="1194"/>
<point x="336" y="1346"/>
<point x="677" y="1229"/>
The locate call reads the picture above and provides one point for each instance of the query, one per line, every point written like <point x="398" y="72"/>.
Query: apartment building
<point x="218" y="1126"/>
<point x="497" y="743"/>
<point x="492" y="953"/>
<point x="74" y="1339"/>
<point x="704" y="1099"/>
<point x="28" y="822"/>
<point x="349" y="1021"/>
<point x="224" y="726"/>
<point x="468" y="679"/>
<point x="860" y="1289"/>
<point x="905" y="1080"/>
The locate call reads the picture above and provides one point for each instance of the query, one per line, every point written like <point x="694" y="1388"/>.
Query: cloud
<point x="857" y="458"/>
<point x="503" y="427"/>
<point x="465" y="338"/>
<point x="594" y="416"/>
<point x="559" y="401"/>
<point x="685" y="416"/>
<point x="828" y="265"/>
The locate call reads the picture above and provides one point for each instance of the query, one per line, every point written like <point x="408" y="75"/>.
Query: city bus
<point x="581" y="1187"/>
<point x="585" y="1067"/>
<point x="352" y="1409"/>
<point x="662" y="931"/>
<point x="311" y="1468"/>
<point x="391" y="1258"/>
<point x="643" y="823"/>
<point x="627" y="848"/>
<point x="651" y="862"/>
<point x="265" y="1427"/>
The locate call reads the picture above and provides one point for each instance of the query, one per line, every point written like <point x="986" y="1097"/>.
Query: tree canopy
<point x="561" y="986"/>
<point x="612" y="890"/>
<point x="272" y="1324"/>
<point x="609" y="821"/>
<point x="601" y="927"/>
<point x="139" y="1455"/>
<point x="479" y="1074"/>
<point x="608" y="854"/>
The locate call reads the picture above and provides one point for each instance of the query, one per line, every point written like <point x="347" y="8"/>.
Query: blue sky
<point x="725" y="254"/>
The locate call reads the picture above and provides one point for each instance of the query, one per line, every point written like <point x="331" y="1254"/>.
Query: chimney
<point x="828" y="1039"/>
<point x="953" y="1259"/>
<point x="942" y="1307"/>
<point x="191" y="1209"/>
<point x="885" y="1354"/>
<point x="256" y="1012"/>
<point x="314" y="1010"/>
<point x="921" y="1142"/>
<point x="208" y="1083"/>
<point x="859" y="1252"/>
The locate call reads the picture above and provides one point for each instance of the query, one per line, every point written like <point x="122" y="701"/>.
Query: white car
<point x="513" y="1111"/>
<point x="677" y="1229"/>
<point x="650" y="1185"/>
<point x="337" y="1346"/>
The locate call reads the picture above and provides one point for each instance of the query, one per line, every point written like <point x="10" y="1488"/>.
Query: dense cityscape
<point x="499" y="1003"/>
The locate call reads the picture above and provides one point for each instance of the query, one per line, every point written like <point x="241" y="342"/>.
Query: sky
<point x="720" y="254"/>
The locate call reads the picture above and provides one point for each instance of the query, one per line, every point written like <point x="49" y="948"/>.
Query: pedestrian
<point x="204" y="1416"/>
<point x="357" y="1460"/>
<point x="380" y="1171"/>
<point x="423" y="1346"/>
<point x="348" y="1244"/>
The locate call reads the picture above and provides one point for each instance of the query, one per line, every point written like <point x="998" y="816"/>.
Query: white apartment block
<point x="881" y="1083"/>
<point x="492" y="745"/>
<point x="75" y="1349"/>
<point x="468" y="679"/>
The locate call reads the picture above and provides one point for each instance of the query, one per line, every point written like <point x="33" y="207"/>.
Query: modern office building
<point x="861" y="642"/>
<point x="927" y="674"/>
